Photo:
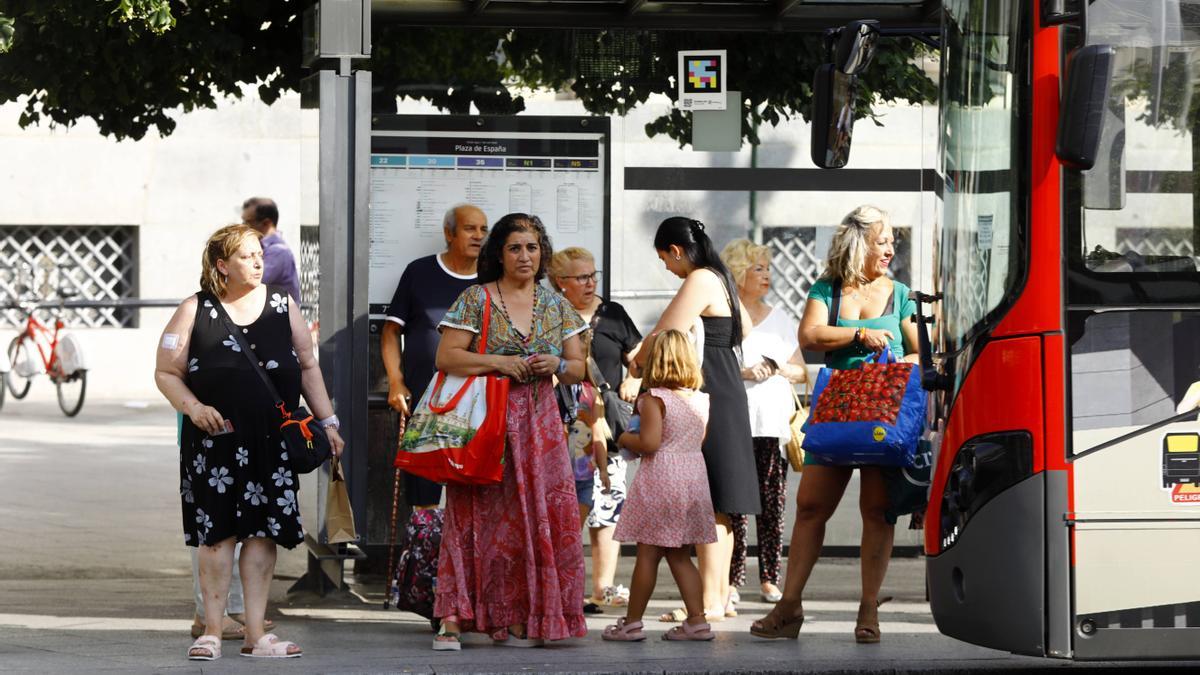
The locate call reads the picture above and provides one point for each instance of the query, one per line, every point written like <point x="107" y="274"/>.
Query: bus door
<point x="985" y="528"/>
<point x="1133" y="340"/>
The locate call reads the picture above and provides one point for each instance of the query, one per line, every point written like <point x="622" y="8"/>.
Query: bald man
<point x="426" y="290"/>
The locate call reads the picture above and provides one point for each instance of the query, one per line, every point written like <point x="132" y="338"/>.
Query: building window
<point x="310" y="271"/>
<point x="45" y="263"/>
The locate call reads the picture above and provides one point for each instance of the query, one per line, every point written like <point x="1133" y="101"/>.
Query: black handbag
<point x="617" y="411"/>
<point x="303" y="436"/>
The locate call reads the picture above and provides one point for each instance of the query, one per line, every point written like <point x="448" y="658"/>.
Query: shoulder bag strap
<point x="236" y="333"/>
<point x="835" y="309"/>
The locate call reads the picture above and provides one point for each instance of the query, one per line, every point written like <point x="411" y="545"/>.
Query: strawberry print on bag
<point x="870" y="394"/>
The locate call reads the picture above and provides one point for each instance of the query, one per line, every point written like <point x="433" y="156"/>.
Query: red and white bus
<point x="1064" y="514"/>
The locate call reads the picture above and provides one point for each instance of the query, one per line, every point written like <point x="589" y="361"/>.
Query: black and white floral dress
<point x="240" y="484"/>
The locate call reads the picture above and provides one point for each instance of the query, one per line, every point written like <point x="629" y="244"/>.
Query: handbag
<point x="908" y="486"/>
<point x="303" y="436"/>
<point x="414" y="580"/>
<point x="339" y="516"/>
<point x="795" y="446"/>
<point x="870" y="415"/>
<point x="456" y="433"/>
<point x="617" y="410"/>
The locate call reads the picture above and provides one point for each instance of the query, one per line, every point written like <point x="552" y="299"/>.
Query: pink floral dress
<point x="513" y="553"/>
<point x="669" y="504"/>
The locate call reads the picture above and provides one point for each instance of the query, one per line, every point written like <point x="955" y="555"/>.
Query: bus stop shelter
<point x="338" y="47"/>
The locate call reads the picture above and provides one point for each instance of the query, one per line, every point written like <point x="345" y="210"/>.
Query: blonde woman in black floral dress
<point x="236" y="481"/>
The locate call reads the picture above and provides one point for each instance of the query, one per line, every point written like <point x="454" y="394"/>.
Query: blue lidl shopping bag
<point x="873" y="414"/>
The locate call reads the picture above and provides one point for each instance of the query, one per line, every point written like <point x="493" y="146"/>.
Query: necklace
<point x="867" y="291"/>
<point x="524" y="338"/>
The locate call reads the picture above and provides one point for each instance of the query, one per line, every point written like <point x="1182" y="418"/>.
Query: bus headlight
<point x="984" y="467"/>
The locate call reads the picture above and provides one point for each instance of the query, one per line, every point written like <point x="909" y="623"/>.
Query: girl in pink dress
<point x="668" y="508"/>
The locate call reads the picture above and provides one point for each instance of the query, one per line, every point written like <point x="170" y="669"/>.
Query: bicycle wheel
<point x="19" y="386"/>
<point x="71" y="389"/>
<point x="3" y="387"/>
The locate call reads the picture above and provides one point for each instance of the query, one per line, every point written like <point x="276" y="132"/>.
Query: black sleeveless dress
<point x="240" y="484"/>
<point x="728" y="448"/>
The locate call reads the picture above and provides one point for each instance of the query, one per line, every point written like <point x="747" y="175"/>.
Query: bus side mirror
<point x="856" y="46"/>
<point x="1084" y="105"/>
<point x="833" y="117"/>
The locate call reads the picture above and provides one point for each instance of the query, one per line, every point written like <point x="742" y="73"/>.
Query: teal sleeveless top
<point x="850" y="357"/>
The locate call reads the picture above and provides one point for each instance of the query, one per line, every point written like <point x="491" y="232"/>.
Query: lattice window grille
<point x="310" y="270"/>
<point x="1175" y="241"/>
<point x="796" y="264"/>
<point x="93" y="262"/>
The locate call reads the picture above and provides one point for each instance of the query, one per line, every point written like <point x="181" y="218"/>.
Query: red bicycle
<point x="42" y="350"/>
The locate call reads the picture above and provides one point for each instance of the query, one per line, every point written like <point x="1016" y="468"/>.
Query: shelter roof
<point x="743" y="15"/>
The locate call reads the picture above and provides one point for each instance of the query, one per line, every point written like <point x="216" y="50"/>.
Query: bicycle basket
<point x="29" y="360"/>
<point x="71" y="354"/>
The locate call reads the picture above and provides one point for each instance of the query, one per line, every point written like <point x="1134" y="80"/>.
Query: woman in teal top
<point x="898" y="309"/>
<point x="874" y="312"/>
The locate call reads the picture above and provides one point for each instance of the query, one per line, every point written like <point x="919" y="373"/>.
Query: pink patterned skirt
<point x="513" y="553"/>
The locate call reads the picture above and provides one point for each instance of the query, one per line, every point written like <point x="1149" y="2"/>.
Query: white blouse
<point x="771" y="404"/>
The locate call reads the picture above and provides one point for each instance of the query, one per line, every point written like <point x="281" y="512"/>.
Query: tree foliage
<point x="128" y="63"/>
<point x="773" y="71"/>
<point x="123" y="65"/>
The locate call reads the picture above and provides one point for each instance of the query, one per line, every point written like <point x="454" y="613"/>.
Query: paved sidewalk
<point x="94" y="578"/>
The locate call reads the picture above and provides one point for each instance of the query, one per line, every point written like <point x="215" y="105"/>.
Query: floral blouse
<point x="554" y="320"/>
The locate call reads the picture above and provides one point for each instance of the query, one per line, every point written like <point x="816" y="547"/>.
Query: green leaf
<point x="7" y="33"/>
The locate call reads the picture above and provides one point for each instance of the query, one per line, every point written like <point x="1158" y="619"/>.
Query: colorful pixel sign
<point x="702" y="79"/>
<point x="704" y="74"/>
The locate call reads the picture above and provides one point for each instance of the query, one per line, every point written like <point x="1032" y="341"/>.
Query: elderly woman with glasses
<point x="613" y="340"/>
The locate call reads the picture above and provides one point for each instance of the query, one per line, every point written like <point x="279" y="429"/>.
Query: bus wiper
<point x="1180" y="417"/>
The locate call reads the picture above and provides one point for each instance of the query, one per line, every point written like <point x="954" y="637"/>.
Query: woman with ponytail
<point x="853" y="310"/>
<point x="710" y="295"/>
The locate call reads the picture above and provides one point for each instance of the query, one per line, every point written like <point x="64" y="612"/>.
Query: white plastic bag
<point x="70" y="354"/>
<point x="29" y="360"/>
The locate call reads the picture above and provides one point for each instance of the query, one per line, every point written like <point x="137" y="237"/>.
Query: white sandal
<point x="211" y="643"/>
<point x="270" y="646"/>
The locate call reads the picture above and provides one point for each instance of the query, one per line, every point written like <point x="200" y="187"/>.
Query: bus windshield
<point x="1140" y="200"/>
<point x="981" y="159"/>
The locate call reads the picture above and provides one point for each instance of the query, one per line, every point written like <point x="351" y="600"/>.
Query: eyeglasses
<point x="584" y="278"/>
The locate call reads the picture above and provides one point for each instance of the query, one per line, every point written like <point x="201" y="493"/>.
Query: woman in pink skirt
<point x="511" y="560"/>
<point x="669" y="507"/>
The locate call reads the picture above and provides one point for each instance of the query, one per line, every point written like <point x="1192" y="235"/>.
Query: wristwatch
<point x="562" y="365"/>
<point x="331" y="422"/>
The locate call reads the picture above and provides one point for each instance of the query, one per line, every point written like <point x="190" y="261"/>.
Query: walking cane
<point x="393" y="583"/>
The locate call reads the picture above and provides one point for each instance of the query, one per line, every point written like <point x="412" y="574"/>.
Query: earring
<point x="677" y="257"/>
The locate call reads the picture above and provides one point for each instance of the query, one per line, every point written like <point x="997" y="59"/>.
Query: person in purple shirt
<point x="279" y="265"/>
